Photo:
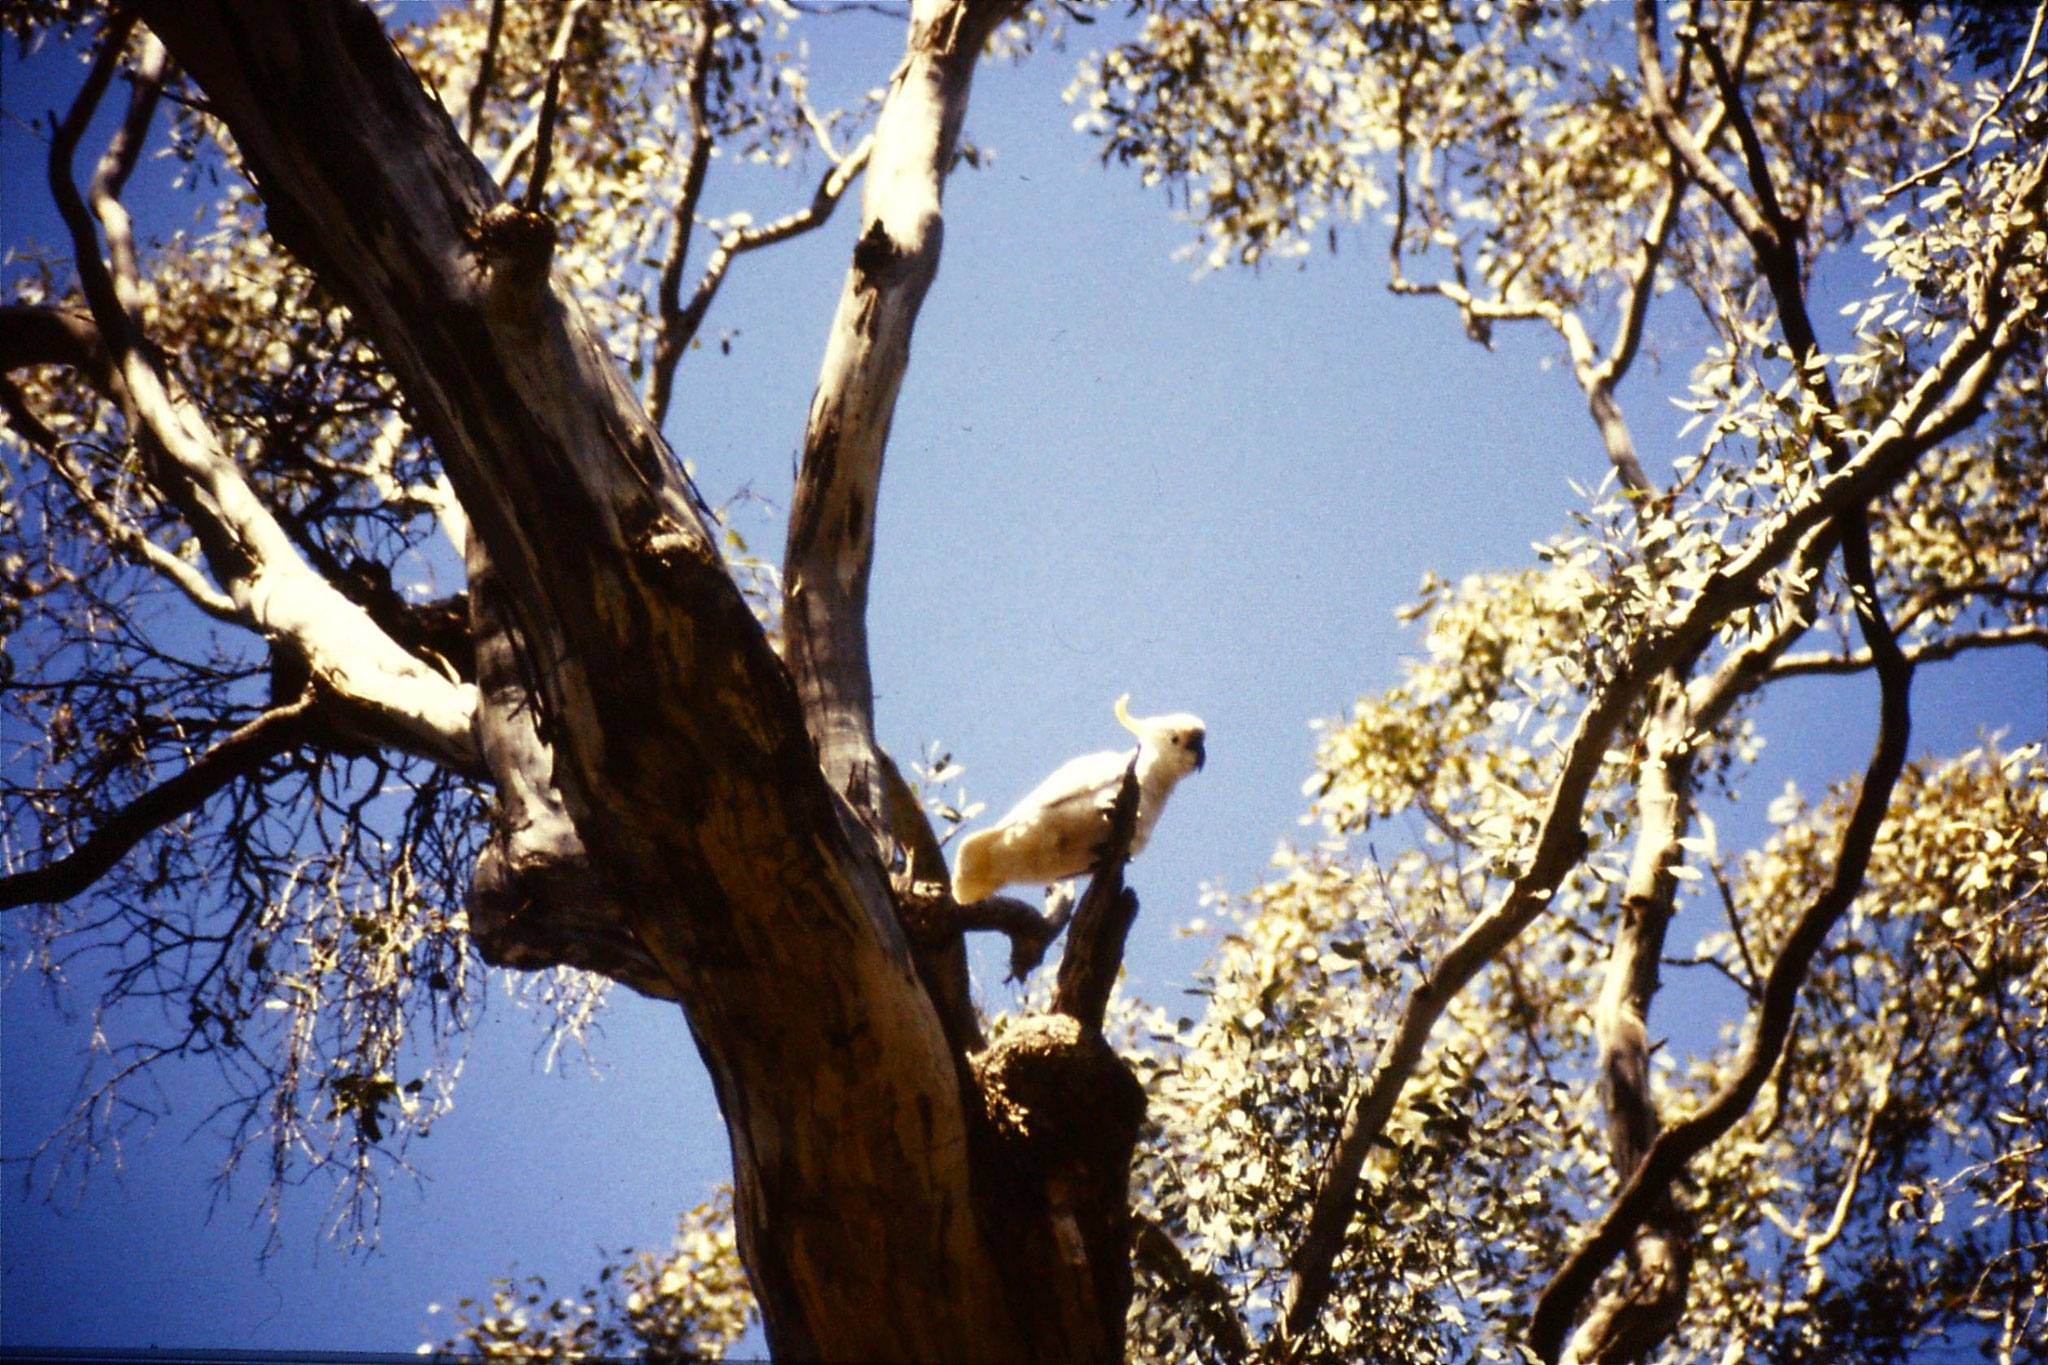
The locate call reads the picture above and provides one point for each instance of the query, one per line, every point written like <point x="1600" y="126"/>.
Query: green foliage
<point x="1887" y="1191"/>
<point x="306" y="927"/>
<point x="691" y="1304"/>
<point x="1900" y="1159"/>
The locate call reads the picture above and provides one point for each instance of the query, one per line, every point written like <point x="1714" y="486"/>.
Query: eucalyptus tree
<point x="597" y="754"/>
<point x="1406" y="1038"/>
<point x="440" y="322"/>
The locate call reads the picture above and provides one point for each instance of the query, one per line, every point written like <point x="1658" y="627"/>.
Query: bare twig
<point x="1930" y="651"/>
<point x="670" y="345"/>
<point x="680" y="330"/>
<point x="1815" y="1248"/>
<point x="486" y="71"/>
<point x="1751" y="975"/>
<point x="550" y="104"/>
<point x="239" y="755"/>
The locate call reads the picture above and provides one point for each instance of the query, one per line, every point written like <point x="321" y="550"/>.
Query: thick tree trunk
<point x="679" y="743"/>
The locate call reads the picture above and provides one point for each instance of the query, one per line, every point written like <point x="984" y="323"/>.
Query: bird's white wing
<point x="1075" y="785"/>
<point x="1051" y="834"/>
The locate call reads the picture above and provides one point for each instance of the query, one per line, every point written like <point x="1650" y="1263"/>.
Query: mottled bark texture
<point x="1635" y="1315"/>
<point x="676" y="807"/>
<point x="831" y="546"/>
<point x="536" y="900"/>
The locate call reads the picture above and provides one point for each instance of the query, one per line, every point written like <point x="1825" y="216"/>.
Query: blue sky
<point x="1106" y="475"/>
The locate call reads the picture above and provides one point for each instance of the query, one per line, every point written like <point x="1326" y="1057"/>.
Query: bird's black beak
<point x="1201" y="751"/>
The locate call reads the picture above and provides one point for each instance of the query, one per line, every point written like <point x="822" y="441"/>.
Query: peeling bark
<point x="883" y="1212"/>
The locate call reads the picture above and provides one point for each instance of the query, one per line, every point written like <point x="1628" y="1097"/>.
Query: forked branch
<point x="397" y="698"/>
<point x="1678" y="1145"/>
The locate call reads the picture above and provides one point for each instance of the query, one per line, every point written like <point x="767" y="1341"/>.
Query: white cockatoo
<point x="1056" y="831"/>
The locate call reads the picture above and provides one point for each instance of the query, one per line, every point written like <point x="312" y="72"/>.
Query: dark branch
<point x="1778" y="248"/>
<point x="1678" y="138"/>
<point x="1030" y="933"/>
<point x="241" y="754"/>
<point x="486" y="71"/>
<point x="1095" y="948"/>
<point x="675" y="330"/>
<point x="550" y="103"/>
<point x="536" y="898"/>
<point x="1931" y="651"/>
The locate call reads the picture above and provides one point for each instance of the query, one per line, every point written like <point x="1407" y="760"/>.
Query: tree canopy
<point x="363" y="632"/>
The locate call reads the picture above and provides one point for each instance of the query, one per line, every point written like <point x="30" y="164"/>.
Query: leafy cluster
<point x="1888" y="1192"/>
<point x="691" y="1304"/>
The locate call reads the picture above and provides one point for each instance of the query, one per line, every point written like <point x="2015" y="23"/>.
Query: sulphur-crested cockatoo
<point x="1056" y="831"/>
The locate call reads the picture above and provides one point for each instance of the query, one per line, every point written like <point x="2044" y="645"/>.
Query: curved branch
<point x="240" y="755"/>
<point x="1030" y="932"/>
<point x="830" y="549"/>
<point x="1821" y="663"/>
<point x="400" y="699"/>
<point x="1677" y="1145"/>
